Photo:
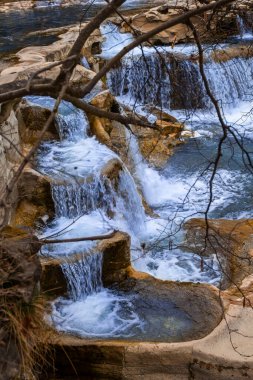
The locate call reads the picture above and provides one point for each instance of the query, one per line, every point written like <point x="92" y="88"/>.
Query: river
<point x="177" y="192"/>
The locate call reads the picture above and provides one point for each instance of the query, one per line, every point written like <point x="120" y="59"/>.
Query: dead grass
<point x="26" y="326"/>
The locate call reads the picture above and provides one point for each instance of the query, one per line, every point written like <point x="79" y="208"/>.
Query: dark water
<point x="16" y="25"/>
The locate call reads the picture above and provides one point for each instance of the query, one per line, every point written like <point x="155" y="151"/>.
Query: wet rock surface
<point x="173" y="311"/>
<point x="35" y="200"/>
<point x="31" y="122"/>
<point x="228" y="240"/>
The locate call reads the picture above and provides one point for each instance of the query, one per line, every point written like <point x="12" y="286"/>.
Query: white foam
<point x="103" y="314"/>
<point x="78" y="159"/>
<point x="176" y="265"/>
<point x="92" y="224"/>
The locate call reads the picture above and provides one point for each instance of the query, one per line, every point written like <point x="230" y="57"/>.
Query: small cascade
<point x="72" y="123"/>
<point x="173" y="83"/>
<point x="142" y="78"/>
<point x="88" y="204"/>
<point x="245" y="29"/>
<point x="73" y="199"/>
<point x="129" y="204"/>
<point x="114" y="41"/>
<point x="84" y="277"/>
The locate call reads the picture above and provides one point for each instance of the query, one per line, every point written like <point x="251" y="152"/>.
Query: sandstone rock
<point x="156" y="299"/>
<point x="231" y="52"/>
<point x="227" y="352"/>
<point x="104" y="100"/>
<point x="116" y="261"/>
<point x="21" y="73"/>
<point x="98" y="129"/>
<point x="222" y="22"/>
<point x="112" y="171"/>
<point x="53" y="282"/>
<point x="229" y="240"/>
<point x="32" y="119"/>
<point x="156" y="147"/>
<point x="10" y="154"/>
<point x="212" y="357"/>
<point x="35" y="199"/>
<point x="116" y="258"/>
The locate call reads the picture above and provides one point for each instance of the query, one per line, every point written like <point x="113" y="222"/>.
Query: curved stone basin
<point x="135" y="306"/>
<point x="212" y="357"/>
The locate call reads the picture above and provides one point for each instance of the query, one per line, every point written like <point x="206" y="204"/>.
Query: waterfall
<point x="84" y="277"/>
<point x="174" y="83"/>
<point x="72" y="123"/>
<point x="129" y="204"/>
<point x="245" y="30"/>
<point x="114" y="41"/>
<point x="73" y="200"/>
<point x="143" y="78"/>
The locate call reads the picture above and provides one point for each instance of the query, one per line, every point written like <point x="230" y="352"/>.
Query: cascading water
<point x="83" y="200"/>
<point x="244" y="29"/>
<point x="84" y="277"/>
<point x="88" y="204"/>
<point x="176" y="83"/>
<point x="170" y="78"/>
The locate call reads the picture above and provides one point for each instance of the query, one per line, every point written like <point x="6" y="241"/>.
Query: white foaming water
<point x="101" y="315"/>
<point x="92" y="224"/>
<point x="78" y="158"/>
<point x="74" y="160"/>
<point x="114" y="41"/>
<point x="93" y="311"/>
<point x="181" y="197"/>
<point x="244" y="30"/>
<point x="176" y="265"/>
<point x="161" y="78"/>
<point x="84" y="276"/>
<point x="83" y="201"/>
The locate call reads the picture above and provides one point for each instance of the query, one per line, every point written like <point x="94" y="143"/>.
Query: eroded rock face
<point x="154" y="300"/>
<point x="20" y="126"/>
<point x="229" y="240"/>
<point x="10" y="153"/>
<point x="53" y="282"/>
<point x="116" y="261"/>
<point x="212" y="357"/>
<point x="32" y="119"/>
<point x="116" y="258"/>
<point x="35" y="199"/>
<point x="162" y="304"/>
<point x="197" y="305"/>
<point x="231" y="52"/>
<point x="222" y="22"/>
<point x="156" y="146"/>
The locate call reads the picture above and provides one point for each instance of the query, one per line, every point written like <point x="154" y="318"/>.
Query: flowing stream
<point x="88" y="204"/>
